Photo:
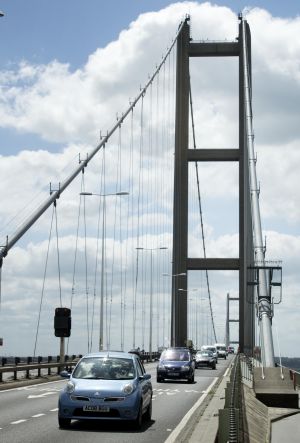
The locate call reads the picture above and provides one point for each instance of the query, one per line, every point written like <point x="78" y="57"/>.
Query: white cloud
<point x="71" y="108"/>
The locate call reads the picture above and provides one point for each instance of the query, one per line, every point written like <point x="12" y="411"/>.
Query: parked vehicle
<point x="205" y="358"/>
<point x="176" y="363"/>
<point x="106" y="385"/>
<point x="221" y="350"/>
<point x="211" y="348"/>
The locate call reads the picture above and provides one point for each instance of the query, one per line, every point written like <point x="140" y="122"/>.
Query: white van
<point x="221" y="350"/>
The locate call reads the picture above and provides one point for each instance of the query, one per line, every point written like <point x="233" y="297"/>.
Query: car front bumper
<point x="118" y="408"/>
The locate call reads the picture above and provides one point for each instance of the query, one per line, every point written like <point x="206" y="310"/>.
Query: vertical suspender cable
<point x="58" y="259"/>
<point x="43" y="287"/>
<point x="86" y="274"/>
<point x="75" y="253"/>
<point x="201" y="217"/>
<point x="138" y="220"/>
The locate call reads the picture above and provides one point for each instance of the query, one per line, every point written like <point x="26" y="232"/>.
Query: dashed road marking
<point x="17" y="422"/>
<point x="54" y="410"/>
<point x="44" y="394"/>
<point x="37" y="415"/>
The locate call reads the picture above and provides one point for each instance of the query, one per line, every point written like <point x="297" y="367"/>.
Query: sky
<point x="67" y="70"/>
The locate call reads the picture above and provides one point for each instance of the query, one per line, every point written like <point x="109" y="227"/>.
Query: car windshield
<point x="205" y="354"/>
<point x="105" y="368"/>
<point x="211" y="349"/>
<point x="175" y="355"/>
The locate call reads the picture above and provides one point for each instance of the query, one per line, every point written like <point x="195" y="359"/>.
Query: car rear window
<point x="175" y="355"/>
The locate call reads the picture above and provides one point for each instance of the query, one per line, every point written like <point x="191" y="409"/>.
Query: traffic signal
<point x="62" y="322"/>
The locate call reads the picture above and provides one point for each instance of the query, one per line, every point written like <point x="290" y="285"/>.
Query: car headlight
<point x="161" y="367"/>
<point x="185" y="368"/>
<point x="70" y="387"/>
<point x="128" y="388"/>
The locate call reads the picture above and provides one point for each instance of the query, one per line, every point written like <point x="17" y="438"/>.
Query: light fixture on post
<point x="151" y="291"/>
<point x="102" y="259"/>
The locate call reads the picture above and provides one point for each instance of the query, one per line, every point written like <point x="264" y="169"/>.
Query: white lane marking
<point x="42" y="395"/>
<point x="34" y="384"/>
<point x="170" y="393"/>
<point x="54" y="410"/>
<point x="169" y="430"/>
<point x="226" y="372"/>
<point x="173" y="437"/>
<point x="17" y="422"/>
<point x="37" y="415"/>
<point x="191" y="390"/>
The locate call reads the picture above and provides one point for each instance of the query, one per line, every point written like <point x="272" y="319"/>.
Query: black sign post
<point x="62" y="328"/>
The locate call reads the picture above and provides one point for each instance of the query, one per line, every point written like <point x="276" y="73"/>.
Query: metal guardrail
<point x="247" y="365"/>
<point x="295" y="376"/>
<point x="15" y="365"/>
<point x="229" y="417"/>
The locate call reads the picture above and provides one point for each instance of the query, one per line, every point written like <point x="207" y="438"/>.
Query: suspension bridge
<point x="128" y="254"/>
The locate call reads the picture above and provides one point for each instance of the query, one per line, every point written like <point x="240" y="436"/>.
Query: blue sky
<point x="69" y="30"/>
<point x="40" y="31"/>
<point x="60" y="59"/>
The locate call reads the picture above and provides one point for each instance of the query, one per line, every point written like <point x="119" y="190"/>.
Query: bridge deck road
<point x="29" y="414"/>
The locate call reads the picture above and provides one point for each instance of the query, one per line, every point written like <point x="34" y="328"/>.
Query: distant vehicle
<point x="211" y="348"/>
<point x="106" y="385"/>
<point x="230" y="350"/>
<point x="176" y="363"/>
<point x="221" y="350"/>
<point x="135" y="351"/>
<point x="205" y="358"/>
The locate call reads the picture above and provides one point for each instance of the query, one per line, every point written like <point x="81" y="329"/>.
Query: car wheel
<point x="191" y="379"/>
<point x="213" y="367"/>
<point x="64" y="423"/>
<point x="148" y="413"/>
<point x="138" y="421"/>
<point x="159" y="379"/>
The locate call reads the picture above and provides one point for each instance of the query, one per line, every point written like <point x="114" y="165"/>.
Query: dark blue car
<point x="176" y="363"/>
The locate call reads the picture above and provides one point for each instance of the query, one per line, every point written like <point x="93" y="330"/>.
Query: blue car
<point x="176" y="363"/>
<point x="106" y="386"/>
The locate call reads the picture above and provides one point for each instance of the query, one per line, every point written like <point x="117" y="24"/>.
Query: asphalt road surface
<point x="29" y="414"/>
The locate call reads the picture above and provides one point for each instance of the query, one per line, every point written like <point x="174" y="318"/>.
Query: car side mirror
<point x="65" y="374"/>
<point x="145" y="377"/>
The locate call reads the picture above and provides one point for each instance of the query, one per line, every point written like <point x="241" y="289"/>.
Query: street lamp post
<point x="102" y="260"/>
<point x="151" y="292"/>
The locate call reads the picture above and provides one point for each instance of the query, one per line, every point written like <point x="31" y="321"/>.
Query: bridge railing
<point x="295" y="376"/>
<point x="15" y="365"/>
<point x="45" y="365"/>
